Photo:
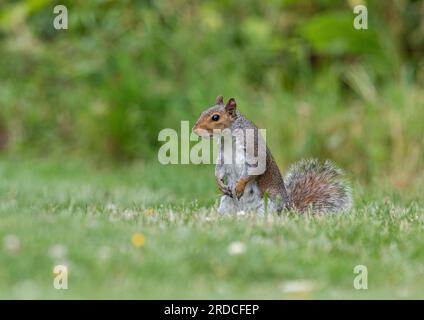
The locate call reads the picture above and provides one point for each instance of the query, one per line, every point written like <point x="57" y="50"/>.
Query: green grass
<point x="90" y="214"/>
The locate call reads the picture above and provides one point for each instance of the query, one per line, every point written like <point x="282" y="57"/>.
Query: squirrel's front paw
<point x="224" y="189"/>
<point x="239" y="189"/>
<point x="227" y="191"/>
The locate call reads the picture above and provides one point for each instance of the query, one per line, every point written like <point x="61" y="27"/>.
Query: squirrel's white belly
<point x="251" y="200"/>
<point x="234" y="164"/>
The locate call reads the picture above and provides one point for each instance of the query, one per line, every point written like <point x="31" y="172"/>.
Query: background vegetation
<point x="96" y="96"/>
<point x="126" y="69"/>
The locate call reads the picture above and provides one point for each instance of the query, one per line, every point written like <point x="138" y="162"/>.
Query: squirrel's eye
<point x="215" y="117"/>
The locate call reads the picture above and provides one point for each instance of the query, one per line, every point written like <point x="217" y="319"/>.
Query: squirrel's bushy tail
<point x="316" y="186"/>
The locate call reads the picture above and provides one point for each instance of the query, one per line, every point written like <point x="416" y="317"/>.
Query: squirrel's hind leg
<point x="271" y="207"/>
<point x="227" y="205"/>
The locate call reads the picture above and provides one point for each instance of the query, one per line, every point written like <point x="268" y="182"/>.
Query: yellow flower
<point x="138" y="240"/>
<point x="149" y="212"/>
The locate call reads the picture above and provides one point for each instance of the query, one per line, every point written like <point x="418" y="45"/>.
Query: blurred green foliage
<point x="124" y="70"/>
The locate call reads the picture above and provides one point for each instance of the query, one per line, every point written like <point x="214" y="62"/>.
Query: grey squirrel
<point x="308" y="184"/>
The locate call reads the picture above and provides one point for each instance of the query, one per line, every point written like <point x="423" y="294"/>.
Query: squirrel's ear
<point x="219" y="100"/>
<point x="231" y="106"/>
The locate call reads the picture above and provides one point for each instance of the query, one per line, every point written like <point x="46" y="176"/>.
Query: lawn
<point x="68" y="212"/>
